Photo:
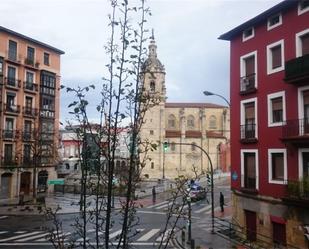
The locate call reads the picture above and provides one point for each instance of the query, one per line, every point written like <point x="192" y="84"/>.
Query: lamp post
<point x="207" y="93"/>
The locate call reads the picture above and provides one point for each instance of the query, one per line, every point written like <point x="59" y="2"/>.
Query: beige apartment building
<point x="203" y="124"/>
<point x="29" y="113"/>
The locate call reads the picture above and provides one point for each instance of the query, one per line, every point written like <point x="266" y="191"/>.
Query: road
<point x="30" y="231"/>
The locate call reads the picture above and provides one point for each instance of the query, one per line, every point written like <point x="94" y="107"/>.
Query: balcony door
<point x="249" y="170"/>
<point x="249" y="120"/>
<point x="306" y="112"/>
<point x="305" y="158"/>
<point x="250" y="225"/>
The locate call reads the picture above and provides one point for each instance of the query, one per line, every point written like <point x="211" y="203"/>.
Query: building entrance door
<point x="251" y="225"/>
<point x="5" y="187"/>
<point x="305" y="164"/>
<point x="25" y="180"/>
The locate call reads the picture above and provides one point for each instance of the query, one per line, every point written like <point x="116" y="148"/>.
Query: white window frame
<point x="270" y="70"/>
<point x="34" y="76"/>
<point x="16" y="70"/>
<point x="269" y="108"/>
<point x="301" y="107"/>
<point x="242" y="168"/>
<point x="243" y="67"/>
<point x="300" y="162"/>
<point x="270" y="27"/>
<point x="298" y="42"/>
<point x="248" y="37"/>
<point x="270" y="173"/>
<point x="301" y="11"/>
<point x="242" y="113"/>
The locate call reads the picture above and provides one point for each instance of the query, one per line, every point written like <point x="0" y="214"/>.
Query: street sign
<point x="56" y="182"/>
<point x="234" y="176"/>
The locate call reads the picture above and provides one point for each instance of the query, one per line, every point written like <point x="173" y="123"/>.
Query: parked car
<point x="197" y="193"/>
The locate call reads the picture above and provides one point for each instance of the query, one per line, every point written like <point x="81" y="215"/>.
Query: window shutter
<point x="277" y="104"/>
<point x="249" y="62"/>
<point x="305" y="44"/>
<point x="276" y="56"/>
<point x="249" y="111"/>
<point x="306" y="97"/>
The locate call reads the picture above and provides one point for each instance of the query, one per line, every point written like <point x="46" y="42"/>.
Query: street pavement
<point x="152" y="216"/>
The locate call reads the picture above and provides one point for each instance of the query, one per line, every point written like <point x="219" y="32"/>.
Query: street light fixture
<point x="207" y="93"/>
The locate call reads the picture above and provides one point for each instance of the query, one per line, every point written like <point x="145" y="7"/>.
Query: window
<point x="1" y="66"/>
<point x="248" y="69"/>
<point x="48" y="84"/>
<point x="302" y="43"/>
<point x="8" y="153"/>
<point x="212" y="122"/>
<point x="11" y="76"/>
<point x="171" y="121"/>
<point x="9" y="128"/>
<point x="30" y="55"/>
<point x="27" y="153"/>
<point x="248" y="34"/>
<point x="277" y="166"/>
<point x="276" y="109"/>
<point x="274" y="21"/>
<point x="46" y="59"/>
<point x="12" y="50"/>
<point x="152" y="86"/>
<point x="29" y="77"/>
<point x="27" y="129"/>
<point x="303" y="6"/>
<point x="151" y="132"/>
<point x="10" y="102"/>
<point x="173" y="147"/>
<point x="190" y="122"/>
<point x="152" y="165"/>
<point x="249" y="169"/>
<point x="275" y="57"/>
<point x="248" y="119"/>
<point x="193" y="148"/>
<point x="303" y="110"/>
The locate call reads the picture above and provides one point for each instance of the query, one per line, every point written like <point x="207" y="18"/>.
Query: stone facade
<point x="181" y="124"/>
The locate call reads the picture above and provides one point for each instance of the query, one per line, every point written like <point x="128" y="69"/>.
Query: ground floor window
<point x="279" y="234"/>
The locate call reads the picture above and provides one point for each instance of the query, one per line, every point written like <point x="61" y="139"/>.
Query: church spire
<point x="152" y="46"/>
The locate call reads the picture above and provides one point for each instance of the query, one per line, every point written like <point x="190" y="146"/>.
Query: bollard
<point x="183" y="236"/>
<point x="192" y="244"/>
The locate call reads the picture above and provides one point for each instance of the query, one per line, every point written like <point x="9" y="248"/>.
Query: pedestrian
<point x="221" y="202"/>
<point x="154" y="194"/>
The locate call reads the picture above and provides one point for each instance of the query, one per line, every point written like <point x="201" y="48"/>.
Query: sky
<point x="186" y="33"/>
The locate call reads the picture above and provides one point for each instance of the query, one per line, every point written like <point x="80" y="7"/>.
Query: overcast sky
<point x="186" y="33"/>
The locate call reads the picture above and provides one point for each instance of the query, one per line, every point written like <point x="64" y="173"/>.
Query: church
<point x="182" y="126"/>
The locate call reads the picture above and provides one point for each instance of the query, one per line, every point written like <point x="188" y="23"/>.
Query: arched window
<point x="212" y="122"/>
<point x="190" y="122"/>
<point x="171" y="121"/>
<point x="152" y="86"/>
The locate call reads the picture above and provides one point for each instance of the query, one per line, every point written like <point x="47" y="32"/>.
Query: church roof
<point x="193" y="105"/>
<point x="152" y="63"/>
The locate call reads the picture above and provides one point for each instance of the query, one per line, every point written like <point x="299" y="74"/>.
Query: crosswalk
<point x="195" y="206"/>
<point x="144" y="236"/>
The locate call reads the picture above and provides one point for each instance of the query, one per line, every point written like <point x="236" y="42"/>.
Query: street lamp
<point x="207" y="93"/>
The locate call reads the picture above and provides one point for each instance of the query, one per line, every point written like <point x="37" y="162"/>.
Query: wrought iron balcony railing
<point x="12" y="82"/>
<point x="12" y="108"/>
<point x="29" y="111"/>
<point x="295" y="128"/>
<point x="248" y="131"/>
<point x="247" y="84"/>
<point x="298" y="189"/>
<point x="29" y="86"/>
<point x="9" y="134"/>
<point x="297" y="70"/>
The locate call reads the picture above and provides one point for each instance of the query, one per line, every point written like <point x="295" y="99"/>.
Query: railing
<point x="298" y="189"/>
<point x="9" y="134"/>
<point x="29" y="111"/>
<point x="247" y="83"/>
<point x="12" y="108"/>
<point x="27" y="161"/>
<point x="247" y="131"/>
<point x="30" y="86"/>
<point x="47" y="113"/>
<point x="27" y="135"/>
<point x="30" y="62"/>
<point x="295" y="128"/>
<point x="297" y="69"/>
<point x="9" y="162"/>
<point x="12" y="82"/>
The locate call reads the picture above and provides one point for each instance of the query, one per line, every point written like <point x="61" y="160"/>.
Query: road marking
<point x="216" y="209"/>
<point x="165" y="205"/>
<point x="156" y="205"/>
<point x="202" y="209"/>
<point x="32" y="237"/>
<point x="164" y="235"/>
<point x="19" y="236"/>
<point x="2" y="232"/>
<point x="91" y="243"/>
<point x="3" y="217"/>
<point x="186" y="206"/>
<point x="148" y="235"/>
<point x="20" y="232"/>
<point x="115" y="234"/>
<point x="61" y="235"/>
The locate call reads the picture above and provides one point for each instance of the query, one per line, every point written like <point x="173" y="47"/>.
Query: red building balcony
<point x="248" y="133"/>
<point x="296" y="131"/>
<point x="247" y="84"/>
<point x="297" y="70"/>
<point x="298" y="192"/>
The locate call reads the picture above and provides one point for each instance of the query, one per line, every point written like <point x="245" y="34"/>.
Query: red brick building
<point x="270" y="124"/>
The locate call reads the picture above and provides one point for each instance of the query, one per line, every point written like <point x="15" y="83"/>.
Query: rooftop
<point x="193" y="105"/>
<point x="280" y="7"/>
<point x="11" y="32"/>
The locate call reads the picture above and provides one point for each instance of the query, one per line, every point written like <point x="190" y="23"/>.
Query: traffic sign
<point x="234" y="176"/>
<point x="56" y="182"/>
